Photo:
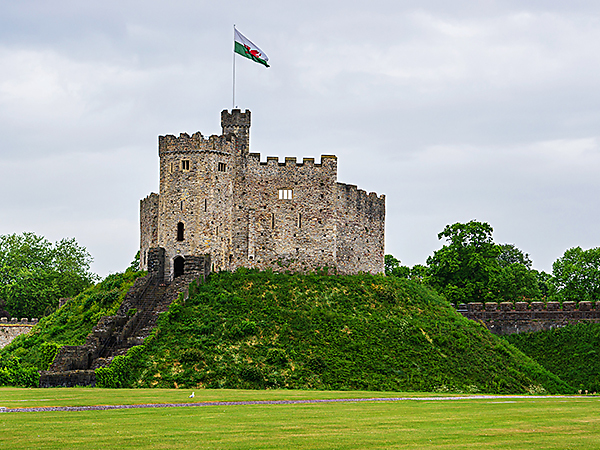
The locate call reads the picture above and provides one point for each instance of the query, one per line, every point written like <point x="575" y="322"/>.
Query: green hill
<point x="259" y="330"/>
<point x="570" y="352"/>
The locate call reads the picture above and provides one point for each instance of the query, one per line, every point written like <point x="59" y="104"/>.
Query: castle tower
<point x="218" y="199"/>
<point x="238" y="123"/>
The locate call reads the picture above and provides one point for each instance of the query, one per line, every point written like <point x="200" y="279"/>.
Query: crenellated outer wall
<point x="523" y="317"/>
<point x="229" y="205"/>
<point x="10" y="329"/>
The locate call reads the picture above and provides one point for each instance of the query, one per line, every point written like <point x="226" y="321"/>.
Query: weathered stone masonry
<point x="218" y="199"/>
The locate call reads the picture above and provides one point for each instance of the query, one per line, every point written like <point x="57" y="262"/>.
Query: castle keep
<point x="218" y="199"/>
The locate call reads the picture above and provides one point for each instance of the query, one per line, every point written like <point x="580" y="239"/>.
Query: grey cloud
<point x="454" y="110"/>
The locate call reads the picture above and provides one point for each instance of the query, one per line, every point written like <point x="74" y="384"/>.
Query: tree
<point x="515" y="280"/>
<point x="462" y="269"/>
<point x="394" y="269"/>
<point x="576" y="274"/>
<point x="390" y="263"/>
<point x="472" y="268"/>
<point x="35" y="274"/>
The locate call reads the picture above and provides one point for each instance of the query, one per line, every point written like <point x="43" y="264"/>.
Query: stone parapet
<point x="195" y="143"/>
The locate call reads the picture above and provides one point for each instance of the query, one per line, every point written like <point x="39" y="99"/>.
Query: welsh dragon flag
<point x="246" y="48"/>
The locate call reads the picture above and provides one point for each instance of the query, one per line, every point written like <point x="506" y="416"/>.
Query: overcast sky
<point x="460" y="110"/>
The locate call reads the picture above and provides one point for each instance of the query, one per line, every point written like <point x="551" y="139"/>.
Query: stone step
<point x="68" y="378"/>
<point x="114" y="335"/>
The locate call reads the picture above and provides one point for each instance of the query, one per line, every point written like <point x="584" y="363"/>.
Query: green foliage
<point x="35" y="274"/>
<point x="119" y="374"/>
<point x="70" y="324"/>
<point x="576" y="274"/>
<point x="570" y="352"/>
<point x="13" y="373"/>
<point x="472" y="268"/>
<point x="259" y="330"/>
<point x="48" y="351"/>
<point x="135" y="264"/>
<point x="394" y="269"/>
<point x="390" y="264"/>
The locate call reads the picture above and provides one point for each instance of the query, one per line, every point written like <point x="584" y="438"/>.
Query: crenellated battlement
<point x="196" y="143"/>
<point x="292" y="161"/>
<point x="235" y="118"/>
<point x="15" y="321"/>
<point x="10" y="329"/>
<point x="369" y="204"/>
<point x="519" y="317"/>
<point x="352" y="191"/>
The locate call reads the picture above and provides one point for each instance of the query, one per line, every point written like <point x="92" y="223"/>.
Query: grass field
<point x="504" y="423"/>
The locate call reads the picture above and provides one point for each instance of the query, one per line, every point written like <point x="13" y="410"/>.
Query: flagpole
<point x="233" y="99"/>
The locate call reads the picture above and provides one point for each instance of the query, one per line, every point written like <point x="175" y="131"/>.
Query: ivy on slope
<point x="256" y="330"/>
<point x="70" y="324"/>
<point x="570" y="352"/>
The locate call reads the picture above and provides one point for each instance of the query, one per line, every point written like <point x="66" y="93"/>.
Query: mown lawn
<point x="505" y="423"/>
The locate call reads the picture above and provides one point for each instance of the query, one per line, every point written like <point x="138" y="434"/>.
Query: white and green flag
<point x="245" y="47"/>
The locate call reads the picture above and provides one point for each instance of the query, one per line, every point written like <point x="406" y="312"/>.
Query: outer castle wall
<point x="523" y="317"/>
<point x="216" y="198"/>
<point x="10" y="329"/>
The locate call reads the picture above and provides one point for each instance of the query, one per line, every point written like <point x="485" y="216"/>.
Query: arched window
<point x="178" y="264"/>
<point x="180" y="231"/>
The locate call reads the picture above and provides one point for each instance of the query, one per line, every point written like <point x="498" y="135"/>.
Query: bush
<point x="12" y="373"/>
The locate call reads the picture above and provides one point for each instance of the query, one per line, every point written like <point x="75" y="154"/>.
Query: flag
<point x="246" y="48"/>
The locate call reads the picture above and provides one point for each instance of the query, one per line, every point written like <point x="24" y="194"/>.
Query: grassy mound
<point x="70" y="324"/>
<point x="259" y="330"/>
<point x="570" y="352"/>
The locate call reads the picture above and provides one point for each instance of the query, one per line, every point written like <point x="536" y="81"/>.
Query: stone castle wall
<point x="10" y="329"/>
<point x="523" y="317"/>
<point x="297" y="233"/>
<point x="199" y="196"/>
<point x="361" y="230"/>
<point x="227" y="204"/>
<point x="148" y="226"/>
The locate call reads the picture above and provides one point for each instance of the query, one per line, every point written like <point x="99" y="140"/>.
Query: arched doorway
<point x="178" y="263"/>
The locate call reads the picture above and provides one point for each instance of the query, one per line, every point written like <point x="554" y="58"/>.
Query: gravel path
<point x="270" y="402"/>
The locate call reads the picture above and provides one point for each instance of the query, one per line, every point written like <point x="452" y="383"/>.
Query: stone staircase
<point x="74" y="365"/>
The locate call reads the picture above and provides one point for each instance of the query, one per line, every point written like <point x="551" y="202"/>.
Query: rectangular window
<point x="185" y="164"/>
<point x="286" y="194"/>
<point x="222" y="167"/>
<point x="299" y="220"/>
<point x="272" y="220"/>
<point x="205" y="205"/>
